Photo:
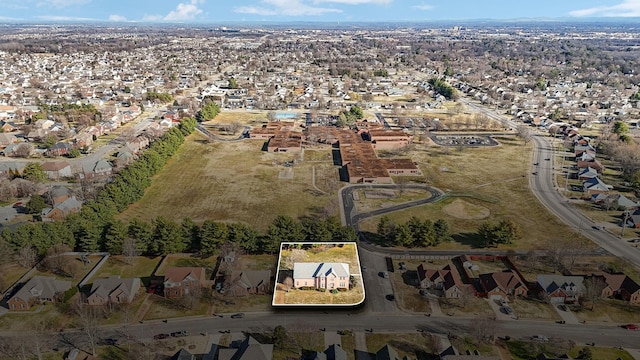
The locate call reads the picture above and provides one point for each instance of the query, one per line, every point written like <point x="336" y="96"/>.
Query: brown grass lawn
<point x="406" y="293"/>
<point x="498" y="173"/>
<point x="532" y="309"/>
<point x="162" y="308"/>
<point x="295" y="296"/>
<point x="81" y="270"/>
<point x="475" y="306"/>
<point x="349" y="346"/>
<point x="141" y="267"/>
<point x="232" y="181"/>
<point x="248" y="303"/>
<point x="10" y="273"/>
<point x="609" y="310"/>
<point x="345" y="254"/>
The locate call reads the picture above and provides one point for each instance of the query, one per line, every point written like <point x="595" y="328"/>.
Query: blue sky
<point x="225" y="11"/>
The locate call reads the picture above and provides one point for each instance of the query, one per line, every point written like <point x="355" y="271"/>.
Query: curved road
<point x="542" y="186"/>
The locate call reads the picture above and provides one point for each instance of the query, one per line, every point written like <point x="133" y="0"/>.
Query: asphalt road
<point x="361" y="321"/>
<point x="542" y="185"/>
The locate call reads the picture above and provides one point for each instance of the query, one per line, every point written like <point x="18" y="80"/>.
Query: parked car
<point x="383" y="274"/>
<point x="237" y="316"/>
<point x="502" y="302"/>
<point x="562" y="307"/>
<point x="180" y="333"/>
<point x="391" y="297"/>
<point x="630" y="326"/>
<point x="597" y="227"/>
<point x="161" y="336"/>
<point x="507" y="310"/>
<point x="634" y="241"/>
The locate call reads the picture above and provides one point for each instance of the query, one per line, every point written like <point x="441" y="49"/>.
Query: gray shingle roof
<point x="312" y="270"/>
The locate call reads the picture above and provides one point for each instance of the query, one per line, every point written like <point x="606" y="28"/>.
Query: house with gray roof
<point x="113" y="290"/>
<point x="247" y="349"/>
<point x="389" y="353"/>
<point x="38" y="289"/>
<point x="61" y="210"/>
<point x="326" y="276"/>
<point x="96" y="169"/>
<point x="245" y="282"/>
<point x="333" y="352"/>
<point x="560" y="288"/>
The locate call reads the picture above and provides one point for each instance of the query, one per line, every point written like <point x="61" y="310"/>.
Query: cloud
<point x="185" y="11"/>
<point x="118" y="18"/>
<point x="627" y="8"/>
<point x="423" y="7"/>
<point x="286" y="8"/>
<point x="355" y="2"/>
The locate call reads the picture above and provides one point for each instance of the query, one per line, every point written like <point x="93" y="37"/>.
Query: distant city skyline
<point x="221" y="11"/>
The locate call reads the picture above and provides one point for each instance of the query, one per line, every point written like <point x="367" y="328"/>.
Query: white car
<point x="539" y="338"/>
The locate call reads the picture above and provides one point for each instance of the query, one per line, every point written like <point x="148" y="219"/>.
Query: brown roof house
<point x="57" y="169"/>
<point x="245" y="282"/>
<point x="501" y="284"/>
<point x="38" y="289"/>
<point x="61" y="210"/>
<point x="179" y="280"/>
<point x="326" y="276"/>
<point x="113" y="290"/>
<point x="446" y="280"/>
<point x="619" y="286"/>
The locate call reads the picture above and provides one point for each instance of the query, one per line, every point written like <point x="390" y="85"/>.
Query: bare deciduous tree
<point x="288" y="283"/>
<point x="27" y="256"/>
<point x="524" y="133"/>
<point x="88" y="322"/>
<point x="593" y="286"/>
<point x="130" y="250"/>
<point x="296" y="255"/>
<point x="484" y="330"/>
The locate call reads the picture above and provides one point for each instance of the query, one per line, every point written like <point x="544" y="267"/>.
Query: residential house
<point x="389" y="353"/>
<point x="59" y="149"/>
<point x="333" y="352"/>
<point x="179" y="280"/>
<point x="326" y="276"/>
<point x="11" y="168"/>
<point x="587" y="173"/>
<point x="84" y="139"/>
<point x="60" y="211"/>
<point x="183" y="354"/>
<point x="123" y="159"/>
<point x="113" y="290"/>
<point x="615" y="201"/>
<point x="633" y="220"/>
<point x="100" y="168"/>
<point x="38" y="289"/>
<point x="7" y="139"/>
<point x="245" y="282"/>
<point x="501" y="284"/>
<point x="618" y="286"/>
<point x="595" y="186"/>
<point x="595" y="164"/>
<point x="56" y="170"/>
<point x="57" y="194"/>
<point x="247" y="349"/>
<point x="446" y="280"/>
<point x="560" y="288"/>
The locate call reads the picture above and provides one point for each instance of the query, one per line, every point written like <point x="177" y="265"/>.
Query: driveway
<point x="500" y="315"/>
<point x="568" y="316"/>
<point x="8" y="213"/>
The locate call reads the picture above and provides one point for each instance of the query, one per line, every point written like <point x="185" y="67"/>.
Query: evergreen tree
<point x="212" y="236"/>
<point x="168" y="237"/>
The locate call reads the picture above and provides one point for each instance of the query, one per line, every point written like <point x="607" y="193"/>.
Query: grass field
<point x="233" y="181"/>
<point x="115" y="265"/>
<point x="498" y="174"/>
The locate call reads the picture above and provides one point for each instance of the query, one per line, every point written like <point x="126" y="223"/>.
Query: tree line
<point x="414" y="232"/>
<point x="95" y="227"/>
